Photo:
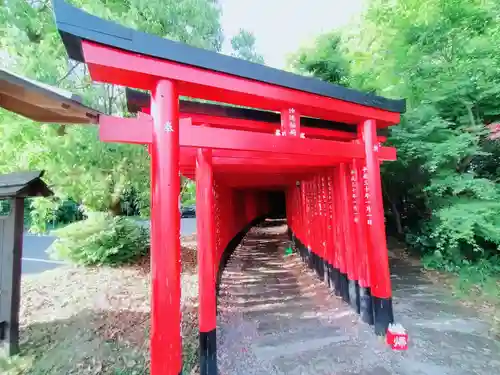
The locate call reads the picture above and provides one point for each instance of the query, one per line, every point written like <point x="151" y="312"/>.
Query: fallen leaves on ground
<point x="77" y="320"/>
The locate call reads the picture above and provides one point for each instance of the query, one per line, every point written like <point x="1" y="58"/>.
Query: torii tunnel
<point x="313" y="146"/>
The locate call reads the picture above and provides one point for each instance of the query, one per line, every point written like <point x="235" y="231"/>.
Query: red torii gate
<point x="330" y="176"/>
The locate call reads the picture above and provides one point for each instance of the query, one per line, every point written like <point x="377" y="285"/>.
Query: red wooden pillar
<point x="166" y="347"/>
<point x="349" y="235"/>
<point x="326" y="232"/>
<point x="290" y="127"/>
<point x="341" y="280"/>
<point x="320" y="228"/>
<point x="307" y="232"/>
<point x="332" y="270"/>
<point x="315" y="227"/>
<point x="379" y="267"/>
<point x="205" y="231"/>
<point x="343" y="233"/>
<point x="310" y="232"/>
<point x="363" y="241"/>
<point x="305" y="220"/>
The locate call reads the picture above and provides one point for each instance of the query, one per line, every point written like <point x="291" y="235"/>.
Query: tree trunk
<point x="397" y="217"/>
<point x="115" y="208"/>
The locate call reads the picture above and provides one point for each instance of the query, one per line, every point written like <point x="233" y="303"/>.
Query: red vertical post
<point x="305" y="222"/>
<point x="320" y="228"/>
<point x="363" y="241"/>
<point x="342" y="239"/>
<point x="341" y="281"/>
<point x="326" y="232"/>
<point x="310" y="233"/>
<point x="205" y="232"/>
<point x="166" y="347"/>
<point x="332" y="271"/>
<point x="315" y="209"/>
<point x="380" y="274"/>
<point x="349" y="235"/>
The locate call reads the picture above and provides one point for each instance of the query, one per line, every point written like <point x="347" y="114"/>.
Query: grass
<point x="479" y="291"/>
<point x="476" y="285"/>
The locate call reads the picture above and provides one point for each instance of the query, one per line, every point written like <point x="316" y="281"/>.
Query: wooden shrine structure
<point x="317" y="144"/>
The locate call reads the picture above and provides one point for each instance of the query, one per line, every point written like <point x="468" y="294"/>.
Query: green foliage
<point x="188" y="192"/>
<point x="5" y="207"/>
<point x="101" y="239"/>
<point x="324" y="60"/>
<point x="97" y="176"/>
<point x="442" y="55"/>
<point x="243" y="45"/>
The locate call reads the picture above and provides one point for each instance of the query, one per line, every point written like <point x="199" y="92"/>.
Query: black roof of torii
<point x="75" y="25"/>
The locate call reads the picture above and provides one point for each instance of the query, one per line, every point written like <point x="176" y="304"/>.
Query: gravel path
<point x="277" y="318"/>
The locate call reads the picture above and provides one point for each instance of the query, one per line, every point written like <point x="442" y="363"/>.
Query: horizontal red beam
<point x="140" y="131"/>
<point x="126" y="130"/>
<point x="245" y="181"/>
<point x="199" y="136"/>
<point x="269" y="162"/>
<point x="268" y="127"/>
<point x="138" y="71"/>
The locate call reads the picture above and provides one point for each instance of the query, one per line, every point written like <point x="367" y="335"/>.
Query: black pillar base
<point x="321" y="268"/>
<point x="326" y="275"/>
<point x="336" y="281"/>
<point x="354" y="295"/>
<point x="382" y="314"/>
<point x="310" y="258"/>
<point x="208" y="353"/>
<point x="365" y="305"/>
<point x="315" y="263"/>
<point x="344" y="287"/>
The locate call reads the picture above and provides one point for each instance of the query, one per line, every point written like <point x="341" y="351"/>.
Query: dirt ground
<point x="95" y="321"/>
<point x="277" y="318"/>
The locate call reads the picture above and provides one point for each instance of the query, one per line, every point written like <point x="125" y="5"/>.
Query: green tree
<point x="99" y="176"/>
<point x="325" y="59"/>
<point x="442" y="56"/>
<point x="243" y="45"/>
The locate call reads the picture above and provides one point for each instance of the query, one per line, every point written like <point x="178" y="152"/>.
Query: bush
<point x="101" y="239"/>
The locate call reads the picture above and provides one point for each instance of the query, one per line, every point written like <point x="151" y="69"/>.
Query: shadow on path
<point x="276" y="317"/>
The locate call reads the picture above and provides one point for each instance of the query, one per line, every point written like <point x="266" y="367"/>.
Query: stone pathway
<point x="276" y="317"/>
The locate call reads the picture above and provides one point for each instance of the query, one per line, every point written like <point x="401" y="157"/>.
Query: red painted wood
<point x="315" y="247"/>
<point x="137" y="71"/>
<point x="262" y="146"/>
<point x="197" y="136"/>
<point x="290" y="123"/>
<point x="331" y="224"/>
<point x="307" y="212"/>
<point x="350" y="233"/>
<point x="379" y="260"/>
<point x="339" y="215"/>
<point x="205" y="236"/>
<point x="165" y="251"/>
<point x="126" y="130"/>
<point x="363" y="239"/>
<point x="324" y="215"/>
<point x="268" y="127"/>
